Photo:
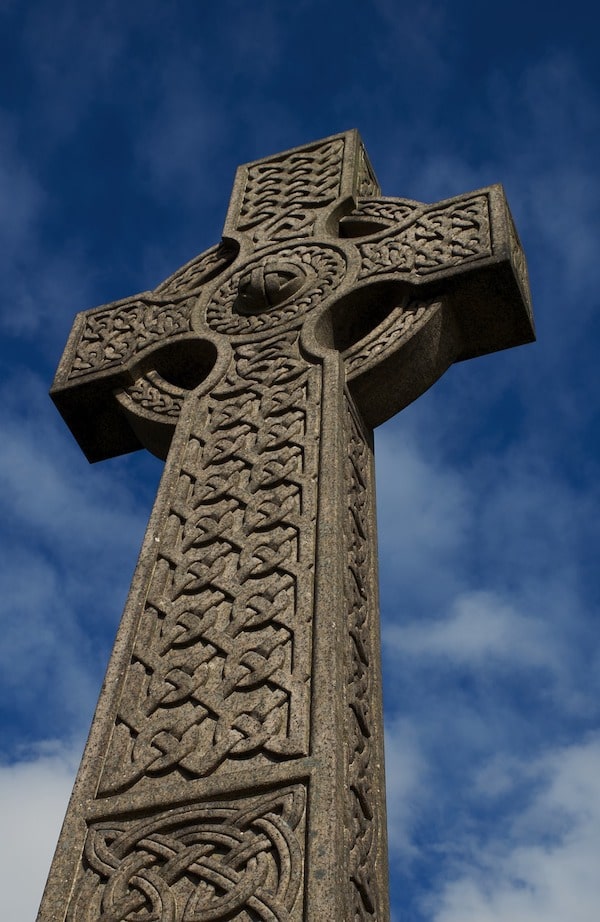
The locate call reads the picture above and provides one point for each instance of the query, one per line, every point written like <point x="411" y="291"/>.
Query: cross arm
<point x="454" y="278"/>
<point x="464" y="248"/>
<point x="112" y="345"/>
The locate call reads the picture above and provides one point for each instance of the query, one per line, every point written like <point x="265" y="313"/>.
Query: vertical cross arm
<point x="299" y="193"/>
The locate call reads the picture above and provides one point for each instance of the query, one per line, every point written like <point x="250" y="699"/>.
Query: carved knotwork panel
<point x="221" y="661"/>
<point x="437" y="239"/>
<point x="239" y="859"/>
<point x="302" y="179"/>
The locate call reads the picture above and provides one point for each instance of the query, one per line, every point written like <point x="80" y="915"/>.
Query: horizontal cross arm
<point x="465" y="250"/>
<point x="105" y="346"/>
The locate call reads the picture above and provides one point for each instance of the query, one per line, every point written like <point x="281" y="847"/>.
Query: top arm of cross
<point x="403" y="261"/>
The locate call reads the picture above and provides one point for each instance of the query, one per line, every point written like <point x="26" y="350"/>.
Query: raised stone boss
<point x="234" y="768"/>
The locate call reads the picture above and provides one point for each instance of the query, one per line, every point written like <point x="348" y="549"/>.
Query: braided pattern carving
<point x="303" y="179"/>
<point x="155" y="395"/>
<point x="390" y="211"/>
<point x="519" y="262"/>
<point x="323" y="267"/>
<point x="386" y="337"/>
<point x="360" y="818"/>
<point x="438" y="239"/>
<point x="221" y="661"/>
<point x="241" y="859"/>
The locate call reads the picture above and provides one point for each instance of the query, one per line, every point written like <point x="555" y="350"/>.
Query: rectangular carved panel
<point x="221" y="661"/>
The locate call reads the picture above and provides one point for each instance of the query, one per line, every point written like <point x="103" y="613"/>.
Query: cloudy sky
<point x="121" y="124"/>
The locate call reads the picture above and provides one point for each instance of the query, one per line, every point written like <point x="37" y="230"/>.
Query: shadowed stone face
<point x="234" y="769"/>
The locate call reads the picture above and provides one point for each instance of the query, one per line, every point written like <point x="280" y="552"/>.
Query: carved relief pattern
<point x="304" y="179"/>
<point x="221" y="660"/>
<point x="111" y="335"/>
<point x="438" y="239"/>
<point x="155" y="395"/>
<point x="323" y="269"/>
<point x="519" y="262"/>
<point x="386" y="337"/>
<point x="360" y="823"/>
<point x="234" y="859"/>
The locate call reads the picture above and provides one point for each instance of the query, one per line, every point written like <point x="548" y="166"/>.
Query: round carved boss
<point x="275" y="289"/>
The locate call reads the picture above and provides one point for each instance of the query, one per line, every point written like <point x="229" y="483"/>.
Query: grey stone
<point x="234" y="768"/>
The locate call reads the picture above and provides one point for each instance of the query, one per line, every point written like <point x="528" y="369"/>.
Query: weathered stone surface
<point x="234" y="769"/>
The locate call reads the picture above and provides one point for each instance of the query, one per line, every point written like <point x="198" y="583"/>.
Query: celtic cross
<point x="234" y="768"/>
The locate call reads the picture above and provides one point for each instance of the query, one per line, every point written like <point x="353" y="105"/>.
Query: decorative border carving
<point x="152" y="394"/>
<point x="190" y="278"/>
<point x="367" y="183"/>
<point x="519" y="262"/>
<point x="386" y="337"/>
<point x="360" y="826"/>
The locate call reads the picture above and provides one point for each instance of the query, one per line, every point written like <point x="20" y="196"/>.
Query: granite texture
<point x="234" y="768"/>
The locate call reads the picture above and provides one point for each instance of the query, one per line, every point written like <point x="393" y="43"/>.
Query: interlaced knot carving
<point x="306" y="179"/>
<point x="222" y="860"/>
<point x="221" y="660"/>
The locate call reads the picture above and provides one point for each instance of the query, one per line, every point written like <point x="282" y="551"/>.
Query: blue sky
<point x="121" y="125"/>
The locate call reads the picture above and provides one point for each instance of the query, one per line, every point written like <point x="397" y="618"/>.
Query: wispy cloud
<point x="547" y="866"/>
<point x="480" y="628"/>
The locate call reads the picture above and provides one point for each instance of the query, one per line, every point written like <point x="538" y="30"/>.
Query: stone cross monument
<point x="234" y="769"/>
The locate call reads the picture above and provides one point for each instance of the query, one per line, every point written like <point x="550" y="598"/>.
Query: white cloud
<point x="33" y="798"/>
<point x="49" y="488"/>
<point x="74" y="533"/>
